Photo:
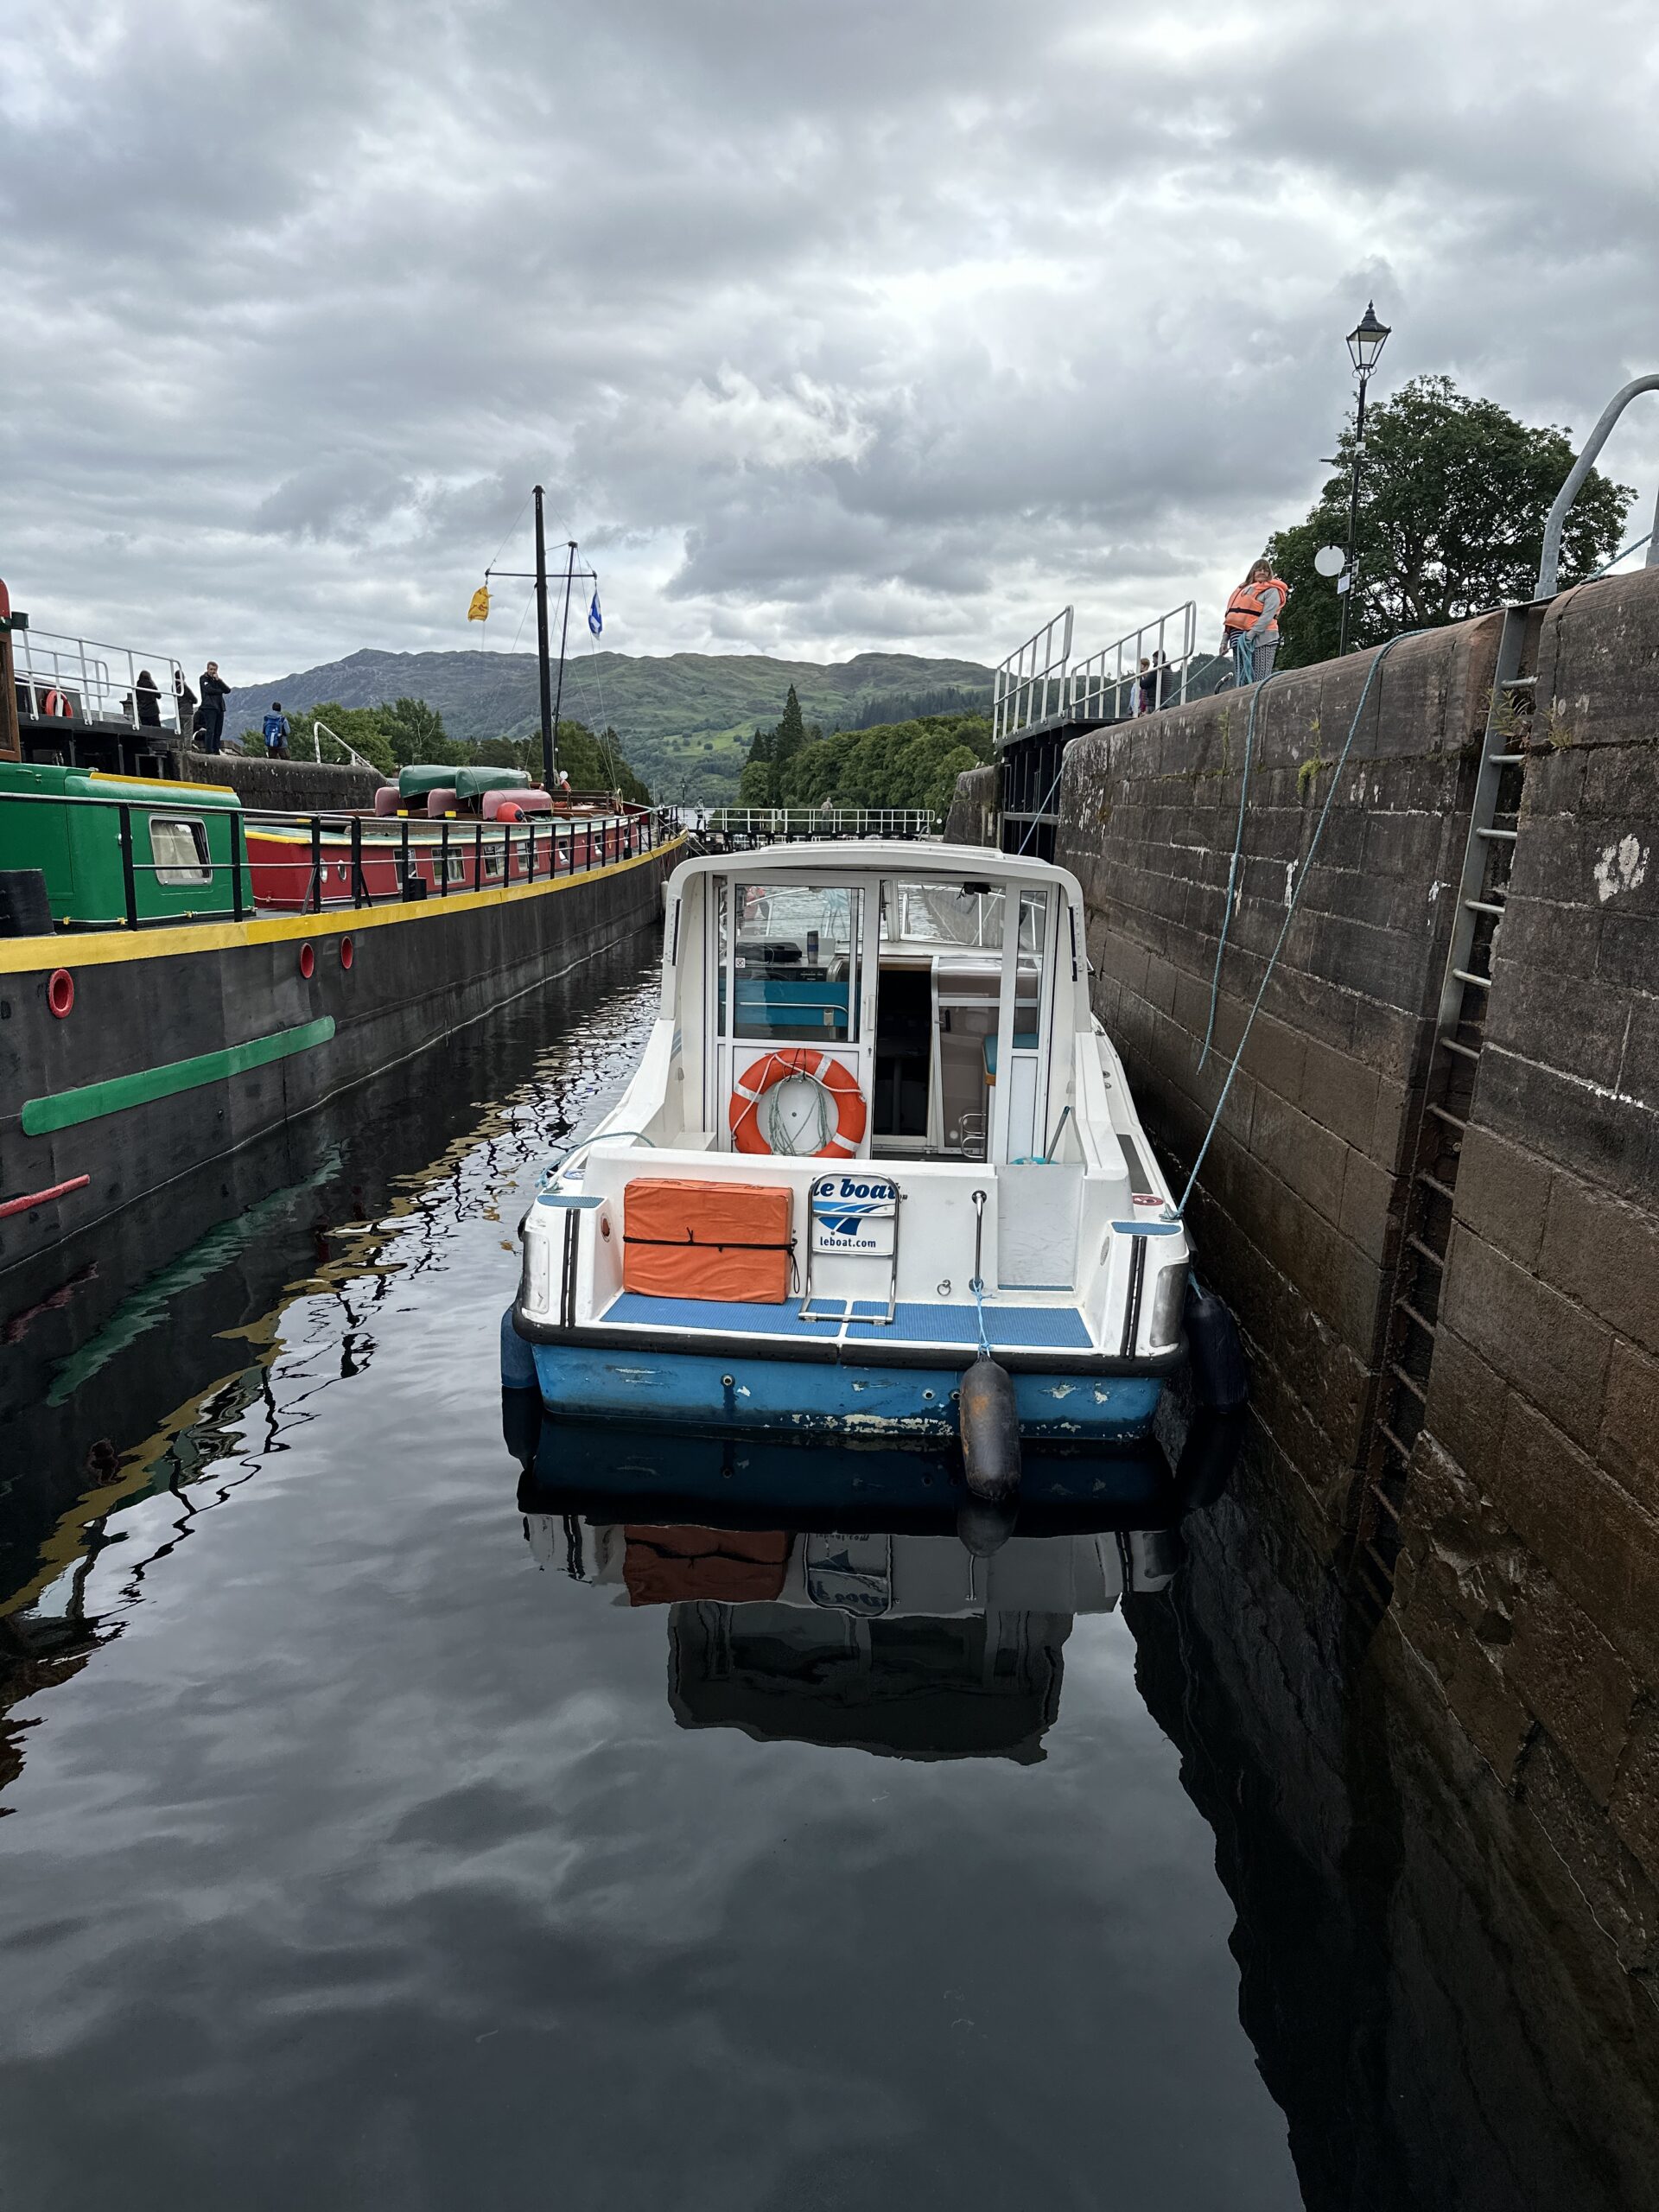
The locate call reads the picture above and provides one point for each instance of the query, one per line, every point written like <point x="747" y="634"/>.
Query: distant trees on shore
<point x="907" y="764"/>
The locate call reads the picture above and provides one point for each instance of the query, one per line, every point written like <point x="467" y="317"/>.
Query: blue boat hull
<point x="804" y="1398"/>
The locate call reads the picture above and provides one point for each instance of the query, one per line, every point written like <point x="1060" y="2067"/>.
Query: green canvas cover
<point x="416" y="783"/>
<point x="472" y="783"/>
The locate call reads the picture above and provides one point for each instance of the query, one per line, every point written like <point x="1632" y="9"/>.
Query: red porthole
<point x="61" y="992"/>
<point x="307" y="962"/>
<point x="347" y="952"/>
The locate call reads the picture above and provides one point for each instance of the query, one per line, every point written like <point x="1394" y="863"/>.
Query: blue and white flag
<point x="595" y="620"/>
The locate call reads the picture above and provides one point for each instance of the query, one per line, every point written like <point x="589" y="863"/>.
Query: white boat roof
<point x="878" y="857"/>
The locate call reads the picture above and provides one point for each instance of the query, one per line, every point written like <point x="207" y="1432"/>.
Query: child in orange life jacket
<point x="1251" y="626"/>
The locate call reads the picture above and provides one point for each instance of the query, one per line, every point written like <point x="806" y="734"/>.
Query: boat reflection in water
<point x="849" y="1596"/>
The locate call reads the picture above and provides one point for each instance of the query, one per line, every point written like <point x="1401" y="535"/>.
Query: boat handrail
<point x="604" y="843"/>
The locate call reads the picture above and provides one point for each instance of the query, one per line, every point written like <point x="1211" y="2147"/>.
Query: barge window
<point x="793" y="965"/>
<point x="179" y="849"/>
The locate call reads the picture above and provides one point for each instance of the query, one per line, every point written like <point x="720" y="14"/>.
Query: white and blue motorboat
<point x="877" y="1139"/>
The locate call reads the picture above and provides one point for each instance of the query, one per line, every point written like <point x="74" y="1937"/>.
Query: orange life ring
<point x="852" y="1115"/>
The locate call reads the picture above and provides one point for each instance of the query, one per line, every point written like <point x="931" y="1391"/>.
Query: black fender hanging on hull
<point x="1221" y="1374"/>
<point x="990" y="1431"/>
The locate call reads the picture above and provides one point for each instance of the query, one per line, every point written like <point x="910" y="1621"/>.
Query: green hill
<point x="685" y="721"/>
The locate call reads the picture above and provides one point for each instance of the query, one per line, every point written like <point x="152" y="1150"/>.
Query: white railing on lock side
<point x="1028" y="681"/>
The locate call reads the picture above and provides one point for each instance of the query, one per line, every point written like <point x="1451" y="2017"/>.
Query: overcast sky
<point x="829" y="325"/>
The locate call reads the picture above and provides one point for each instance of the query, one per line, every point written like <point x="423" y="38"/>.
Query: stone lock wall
<point x="972" y="819"/>
<point x="1529" y="1576"/>
<point x="1297" y="1212"/>
<point x="1526" y="1599"/>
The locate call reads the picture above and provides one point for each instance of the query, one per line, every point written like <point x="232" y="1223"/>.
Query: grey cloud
<point x="825" y="327"/>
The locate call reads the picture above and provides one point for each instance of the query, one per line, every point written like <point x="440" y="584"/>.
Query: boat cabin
<point x="875" y="1094"/>
<point x="942" y="990"/>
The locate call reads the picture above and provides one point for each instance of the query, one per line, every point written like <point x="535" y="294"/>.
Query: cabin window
<point x="179" y="849"/>
<point x="957" y="913"/>
<point x="793" y="962"/>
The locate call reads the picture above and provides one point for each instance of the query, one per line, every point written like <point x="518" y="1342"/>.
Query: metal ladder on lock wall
<point x="1448" y="1094"/>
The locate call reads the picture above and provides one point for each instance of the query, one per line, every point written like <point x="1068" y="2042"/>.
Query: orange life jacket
<point x="1244" y="608"/>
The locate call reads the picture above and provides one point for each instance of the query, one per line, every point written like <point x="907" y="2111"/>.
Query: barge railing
<point x="585" y="846"/>
<point x="86" y="676"/>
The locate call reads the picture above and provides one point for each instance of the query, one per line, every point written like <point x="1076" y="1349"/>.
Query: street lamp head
<point x="1366" y="340"/>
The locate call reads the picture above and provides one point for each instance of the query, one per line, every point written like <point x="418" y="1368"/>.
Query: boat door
<point x="791" y="969"/>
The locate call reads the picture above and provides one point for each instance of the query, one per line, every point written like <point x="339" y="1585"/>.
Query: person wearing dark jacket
<point x="185" y="699"/>
<point x="214" y="692"/>
<point x="148" y="695"/>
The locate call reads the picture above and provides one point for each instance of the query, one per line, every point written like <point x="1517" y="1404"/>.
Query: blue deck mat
<point x="1052" y="1328"/>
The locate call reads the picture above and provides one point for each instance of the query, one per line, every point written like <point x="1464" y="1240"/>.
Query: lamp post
<point x="1365" y="343"/>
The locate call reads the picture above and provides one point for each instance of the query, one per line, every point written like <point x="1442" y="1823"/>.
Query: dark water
<point x="375" y="1835"/>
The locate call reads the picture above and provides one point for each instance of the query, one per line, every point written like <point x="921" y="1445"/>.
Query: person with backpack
<point x="275" y="733"/>
<point x="1250" y="630"/>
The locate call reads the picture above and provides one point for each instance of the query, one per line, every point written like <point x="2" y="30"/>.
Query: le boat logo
<point x="854" y="1213"/>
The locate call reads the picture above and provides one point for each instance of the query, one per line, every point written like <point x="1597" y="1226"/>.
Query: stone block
<point x="1604" y="1252"/>
<point x="1468" y="1404"/>
<point x="1568" y="1022"/>
<point x="1389" y="1124"/>
<point x="1628" y="947"/>
<point x="1607" y="1139"/>
<point x="1581" y="1689"/>
<point x="1619" y="786"/>
<point x="1391" y="1038"/>
<point x="1503" y="1195"/>
<point x="1586" y="1530"/>
<point x="1629" y="1444"/>
<point x="1309" y="1158"/>
<point x="1369" y="1196"/>
<point x="1550" y="1348"/>
<point x="1634" y="1809"/>
<point x="1390" y="965"/>
<point x="1543" y="933"/>
<point x="1638" y="1074"/>
<point x="1340" y="1092"/>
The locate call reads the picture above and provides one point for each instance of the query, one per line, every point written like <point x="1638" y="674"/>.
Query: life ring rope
<point x="833" y="1078"/>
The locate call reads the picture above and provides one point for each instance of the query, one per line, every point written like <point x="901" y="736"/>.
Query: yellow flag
<point x="480" y="609"/>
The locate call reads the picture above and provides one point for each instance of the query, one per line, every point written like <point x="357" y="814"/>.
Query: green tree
<point x="1453" y="496"/>
<point x="789" y="735"/>
<point x="912" y="763"/>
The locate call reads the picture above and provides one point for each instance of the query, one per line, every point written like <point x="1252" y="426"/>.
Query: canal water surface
<point x="376" y="1829"/>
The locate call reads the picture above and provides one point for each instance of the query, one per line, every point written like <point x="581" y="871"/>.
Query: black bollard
<point x="990" y="1431"/>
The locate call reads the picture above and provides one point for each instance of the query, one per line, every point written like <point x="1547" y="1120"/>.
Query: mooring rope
<point x="978" y="1288"/>
<point x="1290" y="911"/>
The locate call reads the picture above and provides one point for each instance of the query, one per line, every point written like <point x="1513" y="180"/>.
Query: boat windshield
<point x="792" y="961"/>
<point x="957" y="913"/>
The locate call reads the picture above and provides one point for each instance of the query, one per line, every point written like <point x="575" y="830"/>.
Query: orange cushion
<point x="666" y="1566"/>
<point x="684" y="1239"/>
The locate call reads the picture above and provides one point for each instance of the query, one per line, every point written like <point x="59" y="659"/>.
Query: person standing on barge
<point x="214" y="692"/>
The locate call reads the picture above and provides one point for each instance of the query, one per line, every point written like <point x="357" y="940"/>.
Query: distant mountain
<point x="686" y="719"/>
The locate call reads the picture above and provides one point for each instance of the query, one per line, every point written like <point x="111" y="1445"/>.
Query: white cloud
<point x="827" y="327"/>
